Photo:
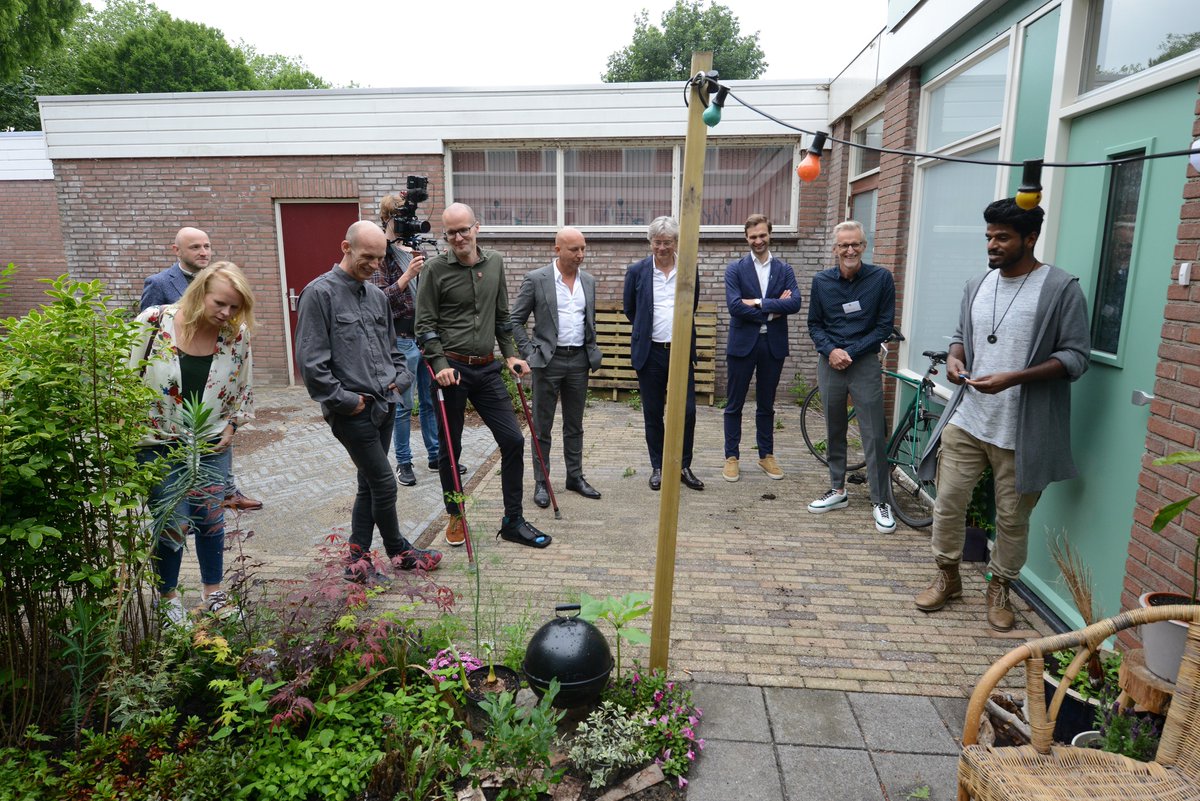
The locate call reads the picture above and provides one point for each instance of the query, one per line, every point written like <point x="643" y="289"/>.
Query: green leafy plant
<point x="619" y="612"/>
<point x="419" y="763"/>
<point x="799" y="389"/>
<point x="1125" y="732"/>
<point x="634" y="401"/>
<point x="517" y="744"/>
<point x="610" y="739"/>
<point x="1110" y="664"/>
<point x="981" y="509"/>
<point x="1173" y="510"/>
<point x="629" y="472"/>
<point x="670" y="718"/>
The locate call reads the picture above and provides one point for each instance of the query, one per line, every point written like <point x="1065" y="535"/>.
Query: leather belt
<point x="473" y="361"/>
<point x="661" y="345"/>
<point x="568" y="350"/>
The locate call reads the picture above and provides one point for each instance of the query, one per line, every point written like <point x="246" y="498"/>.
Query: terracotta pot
<point x="1163" y="641"/>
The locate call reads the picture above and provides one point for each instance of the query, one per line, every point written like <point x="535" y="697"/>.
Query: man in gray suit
<point x="560" y="352"/>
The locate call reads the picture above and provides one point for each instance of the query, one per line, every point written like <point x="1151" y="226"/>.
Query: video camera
<point x="408" y="227"/>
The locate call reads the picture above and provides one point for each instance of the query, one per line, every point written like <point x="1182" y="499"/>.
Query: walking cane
<point x="537" y="447"/>
<point x="448" y="444"/>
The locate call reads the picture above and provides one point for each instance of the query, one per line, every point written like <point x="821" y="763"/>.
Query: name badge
<point x="851" y="307"/>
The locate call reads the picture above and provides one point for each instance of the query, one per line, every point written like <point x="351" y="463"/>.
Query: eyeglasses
<point x="456" y="232"/>
<point x="663" y="243"/>
<point x="849" y="245"/>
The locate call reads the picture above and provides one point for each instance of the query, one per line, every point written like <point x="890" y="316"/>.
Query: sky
<point x="515" y="43"/>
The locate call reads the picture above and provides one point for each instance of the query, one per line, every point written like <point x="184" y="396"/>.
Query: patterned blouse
<point x="228" y="389"/>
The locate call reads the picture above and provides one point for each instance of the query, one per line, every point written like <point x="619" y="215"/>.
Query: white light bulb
<point x="1194" y="158"/>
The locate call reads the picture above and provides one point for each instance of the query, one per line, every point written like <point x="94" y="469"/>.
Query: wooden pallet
<point x="616" y="374"/>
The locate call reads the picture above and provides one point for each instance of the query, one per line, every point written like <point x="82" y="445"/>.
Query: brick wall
<point x="124" y="214"/>
<point x="32" y="238"/>
<point x="1164" y="561"/>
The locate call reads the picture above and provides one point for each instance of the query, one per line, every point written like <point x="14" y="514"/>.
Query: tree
<point x="666" y="54"/>
<point x="29" y="28"/>
<point x="279" y="72"/>
<point x="171" y="56"/>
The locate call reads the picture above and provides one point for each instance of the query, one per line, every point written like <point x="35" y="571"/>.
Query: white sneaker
<point x="172" y="613"/>
<point x="832" y="499"/>
<point x="884" y="522"/>
<point x="220" y="606"/>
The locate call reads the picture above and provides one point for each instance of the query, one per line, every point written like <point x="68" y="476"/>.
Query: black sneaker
<point x="405" y="475"/>
<point x="363" y="571"/>
<point x="425" y="559"/>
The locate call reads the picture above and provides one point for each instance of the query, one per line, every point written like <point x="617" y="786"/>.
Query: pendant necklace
<point x="991" y="338"/>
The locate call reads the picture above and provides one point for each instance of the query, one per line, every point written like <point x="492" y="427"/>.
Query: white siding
<point x="23" y="157"/>
<point x="381" y="121"/>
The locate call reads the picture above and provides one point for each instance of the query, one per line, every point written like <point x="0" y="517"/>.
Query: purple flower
<point x="682" y="782"/>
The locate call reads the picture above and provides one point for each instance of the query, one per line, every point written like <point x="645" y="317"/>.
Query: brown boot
<point x="946" y="586"/>
<point x="999" y="611"/>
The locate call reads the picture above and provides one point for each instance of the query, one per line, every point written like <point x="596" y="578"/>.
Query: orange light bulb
<point x="810" y="168"/>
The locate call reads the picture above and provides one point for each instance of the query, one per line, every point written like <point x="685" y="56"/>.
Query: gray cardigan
<point x="1043" y="452"/>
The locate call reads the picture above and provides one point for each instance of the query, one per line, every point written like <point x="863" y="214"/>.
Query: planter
<point x="975" y="545"/>
<point x="507" y="681"/>
<point x="1087" y="739"/>
<point x="1163" y="641"/>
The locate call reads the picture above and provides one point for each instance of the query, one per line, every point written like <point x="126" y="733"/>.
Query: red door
<point x="312" y="243"/>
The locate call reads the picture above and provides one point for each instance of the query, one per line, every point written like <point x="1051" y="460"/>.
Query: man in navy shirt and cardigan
<point x="760" y="292"/>
<point x="850" y="314"/>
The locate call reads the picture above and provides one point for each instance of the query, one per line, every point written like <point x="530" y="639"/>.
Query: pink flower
<point x="636" y="678"/>
<point x="700" y="743"/>
<point x="670" y="685"/>
<point x="658" y="696"/>
<point x="682" y="782"/>
<point x="667" y="754"/>
<point x="688" y="733"/>
<point x="691" y="755"/>
<point x="693" y="720"/>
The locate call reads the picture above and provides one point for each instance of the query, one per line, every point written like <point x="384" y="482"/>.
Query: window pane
<point x="952" y="251"/>
<point x="1128" y="36"/>
<point x="740" y="181"/>
<point x="507" y="187"/>
<point x="1119" y="226"/>
<point x="862" y="208"/>
<point x="969" y="103"/>
<point x="616" y="186"/>
<point x="872" y="135"/>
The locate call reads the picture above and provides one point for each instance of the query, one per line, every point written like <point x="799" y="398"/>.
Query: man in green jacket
<point x="462" y="314"/>
<point x="1022" y="338"/>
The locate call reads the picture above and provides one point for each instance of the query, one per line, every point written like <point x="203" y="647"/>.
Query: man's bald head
<point x="569" y="247"/>
<point x="193" y="249"/>
<point x="363" y="250"/>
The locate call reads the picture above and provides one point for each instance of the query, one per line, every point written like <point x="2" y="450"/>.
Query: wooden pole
<point x="677" y="373"/>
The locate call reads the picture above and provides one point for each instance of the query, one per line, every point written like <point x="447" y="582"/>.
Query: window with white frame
<point x="962" y="114"/>
<point x="870" y="135"/>
<point x="1126" y="37"/>
<point x="621" y="186"/>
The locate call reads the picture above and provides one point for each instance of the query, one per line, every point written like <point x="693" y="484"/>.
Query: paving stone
<point x="733" y="712"/>
<point x="901" y="774"/>
<point x="827" y="774"/>
<point x="730" y="770"/>
<point x="812" y="717"/>
<point x="901" y="723"/>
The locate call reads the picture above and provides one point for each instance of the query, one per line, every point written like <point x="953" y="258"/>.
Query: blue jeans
<point x="401" y="433"/>
<point x="200" y="512"/>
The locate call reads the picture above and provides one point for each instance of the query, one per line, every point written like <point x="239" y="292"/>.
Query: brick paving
<point x="765" y="593"/>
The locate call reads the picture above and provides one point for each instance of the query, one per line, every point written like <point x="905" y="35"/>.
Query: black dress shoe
<point x="690" y="479"/>
<point x="540" y="495"/>
<point x="585" y="489"/>
<point x="656" y="479"/>
<point x="433" y="465"/>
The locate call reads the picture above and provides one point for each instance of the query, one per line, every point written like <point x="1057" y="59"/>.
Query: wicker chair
<point x="1044" y="772"/>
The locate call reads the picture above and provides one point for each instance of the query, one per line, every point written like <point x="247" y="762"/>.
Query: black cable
<point x="959" y="159"/>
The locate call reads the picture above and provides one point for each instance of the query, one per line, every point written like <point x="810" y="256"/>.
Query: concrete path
<point x="818" y="677"/>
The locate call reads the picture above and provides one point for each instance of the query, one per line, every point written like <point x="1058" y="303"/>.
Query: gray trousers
<point x="565" y="378"/>
<point x="863" y="383"/>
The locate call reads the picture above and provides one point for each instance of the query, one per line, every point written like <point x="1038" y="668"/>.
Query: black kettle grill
<point x="572" y="651"/>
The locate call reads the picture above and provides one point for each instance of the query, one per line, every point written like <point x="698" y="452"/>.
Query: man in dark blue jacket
<point x="650" y="306"/>
<point x="760" y="292"/>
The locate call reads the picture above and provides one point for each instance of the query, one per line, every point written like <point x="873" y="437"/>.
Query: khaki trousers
<point x="961" y="461"/>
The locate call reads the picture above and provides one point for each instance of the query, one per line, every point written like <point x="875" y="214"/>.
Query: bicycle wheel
<point x="812" y="427"/>
<point x="911" y="498"/>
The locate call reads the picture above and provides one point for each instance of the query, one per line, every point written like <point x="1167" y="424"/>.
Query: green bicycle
<point x="910" y="497"/>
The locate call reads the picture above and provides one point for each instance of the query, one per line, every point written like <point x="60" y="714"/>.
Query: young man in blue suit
<point x="760" y="291"/>
<point x="650" y="306"/>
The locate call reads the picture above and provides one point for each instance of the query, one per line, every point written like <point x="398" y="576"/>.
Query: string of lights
<point x="1028" y="195"/>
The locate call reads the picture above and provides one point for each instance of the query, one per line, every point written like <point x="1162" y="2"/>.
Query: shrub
<point x="608" y="740"/>
<point x="72" y="549"/>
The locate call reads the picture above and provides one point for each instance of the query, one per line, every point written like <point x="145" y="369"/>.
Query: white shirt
<point x="763" y="268"/>
<point x="664" y="304"/>
<point x="571" y="304"/>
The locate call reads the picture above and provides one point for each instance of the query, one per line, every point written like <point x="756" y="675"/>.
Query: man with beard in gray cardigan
<point x="1022" y="338"/>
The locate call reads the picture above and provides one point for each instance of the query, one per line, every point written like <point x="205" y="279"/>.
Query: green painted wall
<point x="1038" y="56"/>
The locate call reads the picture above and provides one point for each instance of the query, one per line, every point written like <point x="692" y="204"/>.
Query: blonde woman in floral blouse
<point x="198" y="348"/>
